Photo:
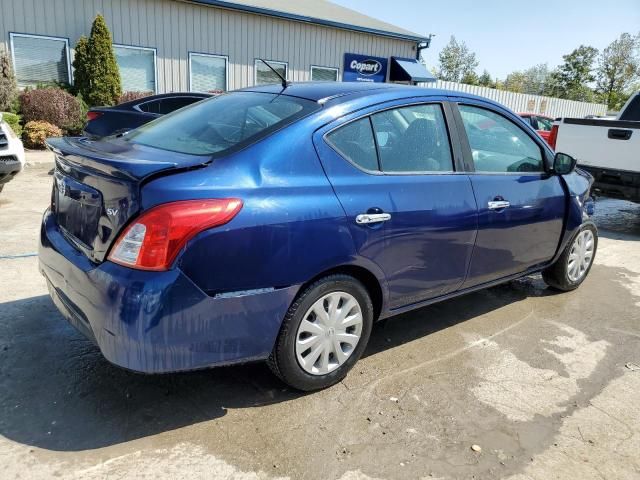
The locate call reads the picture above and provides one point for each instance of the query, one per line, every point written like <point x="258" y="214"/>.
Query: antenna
<point x="283" y="80"/>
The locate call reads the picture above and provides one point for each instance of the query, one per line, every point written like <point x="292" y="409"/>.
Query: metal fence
<point x="520" y="102"/>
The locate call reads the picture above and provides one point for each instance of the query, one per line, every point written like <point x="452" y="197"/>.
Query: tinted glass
<point x="499" y="145"/>
<point x="171" y="104"/>
<point x="222" y="124"/>
<point x="413" y="139"/>
<point x="632" y="112"/>
<point x="355" y="142"/>
<point x="150" y="107"/>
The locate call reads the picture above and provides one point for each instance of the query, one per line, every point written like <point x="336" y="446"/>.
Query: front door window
<point x="498" y="145"/>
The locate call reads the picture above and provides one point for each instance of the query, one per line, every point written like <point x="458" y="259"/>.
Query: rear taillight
<point x="153" y="241"/>
<point x="553" y="136"/>
<point x="91" y="115"/>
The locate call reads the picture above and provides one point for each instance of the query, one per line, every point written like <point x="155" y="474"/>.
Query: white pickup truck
<point x="607" y="149"/>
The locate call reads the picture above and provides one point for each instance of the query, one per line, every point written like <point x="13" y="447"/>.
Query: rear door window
<point x="498" y="144"/>
<point x="413" y="139"/>
<point x="355" y="142"/>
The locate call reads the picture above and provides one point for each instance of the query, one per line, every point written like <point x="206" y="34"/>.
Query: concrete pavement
<point x="546" y="384"/>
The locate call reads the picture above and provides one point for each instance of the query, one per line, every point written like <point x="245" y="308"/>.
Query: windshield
<point x="222" y="124"/>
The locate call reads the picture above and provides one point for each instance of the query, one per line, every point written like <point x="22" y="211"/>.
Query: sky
<point x="509" y="35"/>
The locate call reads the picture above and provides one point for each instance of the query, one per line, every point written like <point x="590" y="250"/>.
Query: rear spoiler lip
<point x="78" y="151"/>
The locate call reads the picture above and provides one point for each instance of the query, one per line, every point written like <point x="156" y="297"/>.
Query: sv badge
<point x="112" y="212"/>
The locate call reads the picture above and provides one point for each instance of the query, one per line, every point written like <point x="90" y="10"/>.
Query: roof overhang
<point x="409" y="70"/>
<point x="307" y="19"/>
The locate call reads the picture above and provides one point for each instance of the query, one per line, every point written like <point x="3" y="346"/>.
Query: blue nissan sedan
<point x="279" y="224"/>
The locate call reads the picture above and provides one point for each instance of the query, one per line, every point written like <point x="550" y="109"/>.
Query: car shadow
<point x="59" y="393"/>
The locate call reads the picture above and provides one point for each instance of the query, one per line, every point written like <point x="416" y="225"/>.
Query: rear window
<point x="632" y="112"/>
<point x="222" y="124"/>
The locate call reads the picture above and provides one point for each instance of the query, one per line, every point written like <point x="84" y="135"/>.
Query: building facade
<point x="171" y="45"/>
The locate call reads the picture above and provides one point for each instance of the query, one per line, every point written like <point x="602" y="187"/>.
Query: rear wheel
<point x="573" y="266"/>
<point x="323" y="334"/>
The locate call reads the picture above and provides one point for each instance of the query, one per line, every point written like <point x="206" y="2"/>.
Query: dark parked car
<point x="280" y="224"/>
<point x="105" y="121"/>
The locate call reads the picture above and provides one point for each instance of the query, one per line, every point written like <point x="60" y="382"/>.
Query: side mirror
<point x="563" y="163"/>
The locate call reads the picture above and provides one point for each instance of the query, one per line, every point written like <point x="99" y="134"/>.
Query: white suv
<point x="11" y="153"/>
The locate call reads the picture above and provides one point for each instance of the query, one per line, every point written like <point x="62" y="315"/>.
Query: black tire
<point x="283" y="361"/>
<point x="557" y="275"/>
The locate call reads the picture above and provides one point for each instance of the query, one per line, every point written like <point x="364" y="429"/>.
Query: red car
<point x="541" y="123"/>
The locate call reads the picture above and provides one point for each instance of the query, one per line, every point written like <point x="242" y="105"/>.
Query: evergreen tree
<point x="104" y="76"/>
<point x="515" y="82"/>
<point x="470" y="78"/>
<point x="8" y="87"/>
<point x="485" y="80"/>
<point x="81" y="68"/>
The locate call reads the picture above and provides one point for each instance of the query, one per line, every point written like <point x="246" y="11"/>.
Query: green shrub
<point x="13" y="121"/>
<point x="104" y="87"/>
<point x="75" y="127"/>
<point x="52" y="105"/>
<point x="35" y="133"/>
<point x="55" y="84"/>
<point x="130" y="96"/>
<point x="8" y="87"/>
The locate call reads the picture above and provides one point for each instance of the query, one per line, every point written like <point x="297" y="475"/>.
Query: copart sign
<point x="363" y="68"/>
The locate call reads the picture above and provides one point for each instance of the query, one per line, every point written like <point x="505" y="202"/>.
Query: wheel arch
<point x="370" y="281"/>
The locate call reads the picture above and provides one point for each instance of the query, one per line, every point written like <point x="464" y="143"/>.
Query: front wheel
<point x="573" y="266"/>
<point x="323" y="334"/>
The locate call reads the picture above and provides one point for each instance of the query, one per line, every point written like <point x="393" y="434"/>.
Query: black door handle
<point x="617" y="134"/>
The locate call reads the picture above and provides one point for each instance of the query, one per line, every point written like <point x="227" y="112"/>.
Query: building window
<point x="265" y="75"/>
<point x="38" y="59"/>
<point x="207" y="73"/>
<point x="324" y="74"/>
<point x="137" y="67"/>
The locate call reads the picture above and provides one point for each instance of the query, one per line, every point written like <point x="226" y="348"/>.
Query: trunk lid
<point x="97" y="184"/>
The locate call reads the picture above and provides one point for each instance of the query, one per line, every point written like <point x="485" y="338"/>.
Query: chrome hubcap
<point x="329" y="333"/>
<point x="581" y="255"/>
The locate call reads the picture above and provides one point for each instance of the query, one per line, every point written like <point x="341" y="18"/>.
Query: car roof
<point x="336" y="91"/>
<point x="323" y="91"/>
<point x="317" y="91"/>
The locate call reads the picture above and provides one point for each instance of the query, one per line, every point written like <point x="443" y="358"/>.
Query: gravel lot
<point x="545" y="384"/>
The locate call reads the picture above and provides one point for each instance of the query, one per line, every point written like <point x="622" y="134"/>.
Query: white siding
<point x="176" y="28"/>
<point x="520" y="102"/>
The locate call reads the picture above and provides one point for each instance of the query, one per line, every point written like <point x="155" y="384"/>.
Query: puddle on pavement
<point x="617" y="216"/>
